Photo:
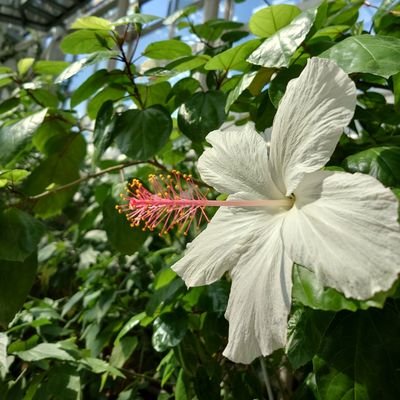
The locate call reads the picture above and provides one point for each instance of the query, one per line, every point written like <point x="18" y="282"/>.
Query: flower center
<point x="175" y="200"/>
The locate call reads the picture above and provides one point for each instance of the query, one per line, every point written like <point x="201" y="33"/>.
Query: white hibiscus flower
<point x="342" y="226"/>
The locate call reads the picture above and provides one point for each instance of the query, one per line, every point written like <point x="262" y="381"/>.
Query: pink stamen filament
<point x="173" y="203"/>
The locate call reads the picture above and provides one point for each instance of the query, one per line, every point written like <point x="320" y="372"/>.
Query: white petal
<point x="309" y="121"/>
<point x="218" y="248"/>
<point x="237" y="162"/>
<point x="344" y="227"/>
<point x="259" y="302"/>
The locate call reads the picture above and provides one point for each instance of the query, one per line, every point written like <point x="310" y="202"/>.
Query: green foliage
<point x="378" y="55"/>
<point x="140" y="134"/>
<point x="269" y="20"/>
<point x="88" y="305"/>
<point x="201" y="114"/>
<point x="278" y="49"/>
<point x="167" y="50"/>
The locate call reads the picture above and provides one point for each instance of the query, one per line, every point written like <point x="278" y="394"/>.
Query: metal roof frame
<point x="38" y="14"/>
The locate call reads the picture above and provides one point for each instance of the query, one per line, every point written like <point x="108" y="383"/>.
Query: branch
<point x="85" y="178"/>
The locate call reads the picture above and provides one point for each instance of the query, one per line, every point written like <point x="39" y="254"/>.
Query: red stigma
<point x="173" y="200"/>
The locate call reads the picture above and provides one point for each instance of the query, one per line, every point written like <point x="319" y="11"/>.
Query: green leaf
<point x="16" y="279"/>
<point x="77" y="66"/>
<point x="24" y="64"/>
<point x="9" y="104"/>
<point x="14" y="138"/>
<point x="396" y="91"/>
<point x="234" y="58"/>
<point x="12" y="176"/>
<point x="278" y="85"/>
<point x="182" y="388"/>
<point x="381" y="162"/>
<point x="342" y="12"/>
<point x="123" y="350"/>
<point x="180" y="14"/>
<point x="89" y="87"/>
<point x="181" y="92"/>
<point x="188" y="63"/>
<point x="44" y="351"/>
<point x="66" y="152"/>
<point x="306" y="330"/>
<point x="129" y="325"/>
<point x="109" y="93"/>
<point x="51" y="127"/>
<point x="103" y="134"/>
<point x="62" y="379"/>
<point x="378" y="55"/>
<point x="269" y="20"/>
<point x="353" y="343"/>
<point x="244" y="83"/>
<point x="213" y="29"/>
<point x="87" y="41"/>
<point x="169" y="330"/>
<point x="140" y="134"/>
<point x="100" y="366"/>
<point x="277" y="50"/>
<point x="45" y="97"/>
<point x="167" y="50"/>
<point x="136" y="19"/>
<point x="120" y="234"/>
<point x="92" y="22"/>
<point x="48" y="67"/>
<point x="201" y="114"/>
<point x="152" y="94"/>
<point x="308" y="290"/>
<point x="19" y="235"/>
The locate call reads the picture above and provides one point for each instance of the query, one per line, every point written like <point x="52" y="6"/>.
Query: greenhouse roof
<point x="38" y="14"/>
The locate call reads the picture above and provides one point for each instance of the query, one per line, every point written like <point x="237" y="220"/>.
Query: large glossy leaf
<point x="19" y="235"/>
<point x="269" y="20"/>
<point x="140" y="134"/>
<point x="167" y="50"/>
<point x="201" y="114"/>
<point x="234" y="58"/>
<point x="354" y="345"/>
<point x="14" y="138"/>
<point x="16" y="279"/>
<point x="120" y="234"/>
<point x="381" y="162"/>
<point x="378" y="55"/>
<point x="87" y="41"/>
<point x="277" y="50"/>
<point x="308" y="290"/>
<point x="169" y="330"/>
